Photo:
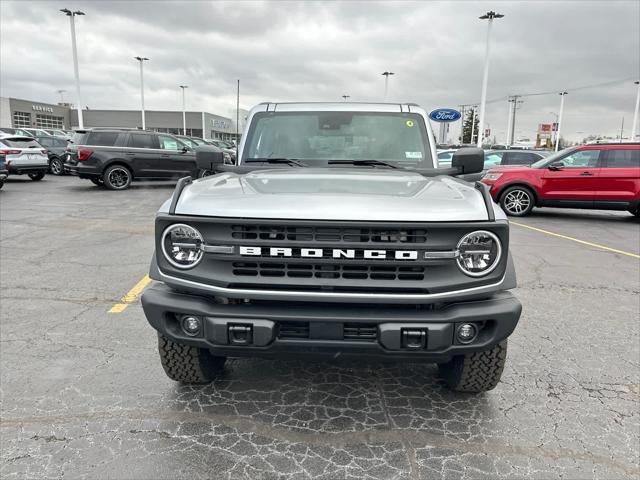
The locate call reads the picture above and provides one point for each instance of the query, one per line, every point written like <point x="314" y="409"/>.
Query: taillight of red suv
<point x="84" y="154"/>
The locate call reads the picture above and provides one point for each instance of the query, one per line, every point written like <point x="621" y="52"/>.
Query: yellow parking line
<point x="596" y="245"/>
<point x="131" y="295"/>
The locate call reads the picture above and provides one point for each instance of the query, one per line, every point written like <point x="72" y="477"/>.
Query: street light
<point x="142" y="60"/>
<point x="386" y="83"/>
<point x="562" y="94"/>
<point x="485" y="77"/>
<point x="184" y="114"/>
<point x="345" y="97"/>
<point x="72" y="22"/>
<point x="635" y="114"/>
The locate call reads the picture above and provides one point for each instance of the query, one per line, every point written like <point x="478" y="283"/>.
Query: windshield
<point x="317" y="137"/>
<point x="543" y="162"/>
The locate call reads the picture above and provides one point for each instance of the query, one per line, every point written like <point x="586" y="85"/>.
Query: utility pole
<point x="485" y="76"/>
<point x="76" y="72"/>
<point x="386" y="83"/>
<point x="634" y="132"/>
<point x="512" y="130"/>
<point x="184" y="110"/>
<point x="562" y="94"/>
<point x="142" y="60"/>
<point x="345" y="97"/>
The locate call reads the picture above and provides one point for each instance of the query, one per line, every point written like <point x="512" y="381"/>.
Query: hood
<point x="510" y="168"/>
<point x="333" y="194"/>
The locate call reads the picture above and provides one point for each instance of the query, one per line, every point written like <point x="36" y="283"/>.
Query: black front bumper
<point x="316" y="329"/>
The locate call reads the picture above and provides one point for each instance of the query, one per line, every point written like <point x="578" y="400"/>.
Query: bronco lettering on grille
<point x="334" y="253"/>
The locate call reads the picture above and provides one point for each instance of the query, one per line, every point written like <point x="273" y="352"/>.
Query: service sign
<point x="445" y="115"/>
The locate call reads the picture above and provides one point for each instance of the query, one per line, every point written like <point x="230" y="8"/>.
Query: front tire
<point x="517" y="201"/>
<point x="475" y="372"/>
<point x="204" y="173"/>
<point x="187" y="364"/>
<point x="36" y="177"/>
<point x="56" y="167"/>
<point x="117" y="177"/>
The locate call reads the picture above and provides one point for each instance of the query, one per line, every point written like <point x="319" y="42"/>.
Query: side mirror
<point x="468" y="160"/>
<point x="555" y="166"/>
<point x="209" y="157"/>
<point x="184" y="149"/>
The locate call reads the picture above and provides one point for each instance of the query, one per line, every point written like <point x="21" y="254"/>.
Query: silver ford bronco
<point x="334" y="235"/>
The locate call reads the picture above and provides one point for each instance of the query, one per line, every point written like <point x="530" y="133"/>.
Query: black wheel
<point x="97" y="181"/>
<point x="475" y="372"/>
<point x="635" y="212"/>
<point x="56" y="166"/>
<point x="204" y="173"/>
<point x="1" y="183"/>
<point x="187" y="364"/>
<point x="36" y="177"/>
<point x="117" y="177"/>
<point x="517" y="201"/>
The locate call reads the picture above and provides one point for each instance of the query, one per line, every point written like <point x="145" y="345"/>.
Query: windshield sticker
<point x="413" y="154"/>
<point x="409" y="124"/>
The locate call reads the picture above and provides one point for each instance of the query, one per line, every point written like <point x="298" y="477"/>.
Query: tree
<point x="466" y="127"/>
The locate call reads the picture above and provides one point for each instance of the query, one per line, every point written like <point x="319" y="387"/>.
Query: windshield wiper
<point x="288" y="161"/>
<point x="373" y="163"/>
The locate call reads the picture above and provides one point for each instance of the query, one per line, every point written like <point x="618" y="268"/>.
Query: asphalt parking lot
<point x="84" y="395"/>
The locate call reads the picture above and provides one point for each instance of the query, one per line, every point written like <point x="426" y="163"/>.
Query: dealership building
<point x="19" y="113"/>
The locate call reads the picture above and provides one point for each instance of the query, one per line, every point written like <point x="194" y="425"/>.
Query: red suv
<point x="602" y="176"/>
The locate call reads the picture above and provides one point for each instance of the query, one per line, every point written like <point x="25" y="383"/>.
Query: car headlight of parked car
<point x="182" y="245"/>
<point x="478" y="253"/>
<point x="492" y="177"/>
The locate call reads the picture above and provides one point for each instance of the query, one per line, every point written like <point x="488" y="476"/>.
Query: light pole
<point x="184" y="111"/>
<point x="485" y="77"/>
<point x="634" y="132"/>
<point x="76" y="72"/>
<point x="562" y="94"/>
<point x="345" y="97"/>
<point x="386" y="83"/>
<point x="142" y="60"/>
<point x="473" y="122"/>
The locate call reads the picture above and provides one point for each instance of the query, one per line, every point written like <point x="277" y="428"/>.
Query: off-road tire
<point x="36" y="177"/>
<point x="187" y="364"/>
<point x="117" y="177"/>
<point x="524" y="194"/>
<point x="475" y="372"/>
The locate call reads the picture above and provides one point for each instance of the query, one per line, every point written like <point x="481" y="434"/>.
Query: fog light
<point x="191" y="326"/>
<point x="467" y="333"/>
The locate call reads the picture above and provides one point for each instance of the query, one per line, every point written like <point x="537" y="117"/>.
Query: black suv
<point x="115" y="157"/>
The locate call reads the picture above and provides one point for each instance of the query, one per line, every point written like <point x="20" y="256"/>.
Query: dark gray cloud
<point x="285" y="51"/>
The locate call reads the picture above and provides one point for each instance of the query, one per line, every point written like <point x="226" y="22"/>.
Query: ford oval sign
<point x="445" y="115"/>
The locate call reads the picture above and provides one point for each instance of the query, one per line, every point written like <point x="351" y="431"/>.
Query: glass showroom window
<point x="21" y="120"/>
<point x="49" y="122"/>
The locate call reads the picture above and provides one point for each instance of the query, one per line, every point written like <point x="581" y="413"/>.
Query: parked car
<point x="116" y="157"/>
<point x="496" y="158"/>
<point x="56" y="151"/>
<point x="3" y="169"/>
<point x="318" y="247"/>
<point x="24" y="155"/>
<point x="228" y="149"/>
<point x="57" y="133"/>
<point x="32" y="132"/>
<point x="603" y="176"/>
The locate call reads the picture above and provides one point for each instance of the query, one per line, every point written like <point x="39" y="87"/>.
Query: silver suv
<point x="335" y="235"/>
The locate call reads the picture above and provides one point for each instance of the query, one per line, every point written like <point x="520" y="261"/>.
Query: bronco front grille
<point x="328" y="271"/>
<point x="271" y="233"/>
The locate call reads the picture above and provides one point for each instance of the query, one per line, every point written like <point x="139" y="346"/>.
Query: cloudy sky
<point x="288" y="51"/>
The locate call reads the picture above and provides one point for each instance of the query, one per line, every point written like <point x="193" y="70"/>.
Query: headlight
<point x="478" y="253"/>
<point x="181" y="245"/>
<point x="492" y="177"/>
